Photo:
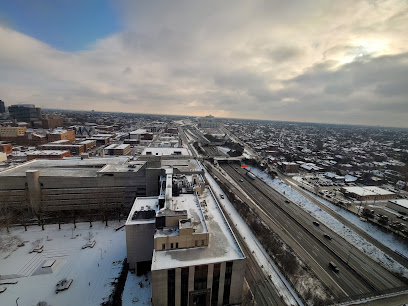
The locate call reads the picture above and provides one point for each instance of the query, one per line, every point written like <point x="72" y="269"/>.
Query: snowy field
<point x="282" y="285"/>
<point x="345" y="232"/>
<point x="92" y="269"/>
<point x="138" y="290"/>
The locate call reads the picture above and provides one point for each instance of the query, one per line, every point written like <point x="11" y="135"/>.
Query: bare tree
<point x="89" y="236"/>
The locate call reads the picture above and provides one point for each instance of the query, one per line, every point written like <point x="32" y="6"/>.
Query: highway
<point x="397" y="257"/>
<point x="361" y="274"/>
<point x="262" y="288"/>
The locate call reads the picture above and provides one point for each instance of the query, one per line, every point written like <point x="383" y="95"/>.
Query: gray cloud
<point x="324" y="61"/>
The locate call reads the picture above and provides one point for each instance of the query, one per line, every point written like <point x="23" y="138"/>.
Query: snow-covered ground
<point x="224" y="150"/>
<point x="345" y="232"/>
<point x="138" y="290"/>
<point x="282" y="285"/>
<point x="92" y="269"/>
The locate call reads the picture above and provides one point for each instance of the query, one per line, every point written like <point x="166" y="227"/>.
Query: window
<point x="200" y="277"/>
<point x="196" y="243"/>
<point x="202" y="242"/>
<point x="184" y="286"/>
<point x="171" y="286"/>
<point x="171" y="245"/>
<point x="227" y="282"/>
<point x="176" y="245"/>
<point x="215" y="284"/>
<point x="163" y="246"/>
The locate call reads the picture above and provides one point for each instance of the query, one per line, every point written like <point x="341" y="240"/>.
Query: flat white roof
<point x="402" y="202"/>
<point x="368" y="190"/>
<point x="222" y="244"/>
<point x="140" y="205"/>
<point x="138" y="131"/>
<point x="165" y="151"/>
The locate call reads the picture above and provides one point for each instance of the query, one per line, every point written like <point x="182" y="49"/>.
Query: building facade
<point x="184" y="239"/>
<point x="25" y="112"/>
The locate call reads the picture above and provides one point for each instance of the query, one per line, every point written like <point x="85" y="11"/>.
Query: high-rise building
<point x="2" y="107"/>
<point x="25" y="112"/>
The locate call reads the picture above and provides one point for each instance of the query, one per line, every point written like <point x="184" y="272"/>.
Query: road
<point x="358" y="273"/>
<point x="402" y="260"/>
<point x="262" y="288"/>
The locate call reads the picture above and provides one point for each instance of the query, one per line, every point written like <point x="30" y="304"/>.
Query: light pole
<point x="101" y="253"/>
<point x="17" y="301"/>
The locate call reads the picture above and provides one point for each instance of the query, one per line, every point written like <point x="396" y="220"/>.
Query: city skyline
<point x="318" y="62"/>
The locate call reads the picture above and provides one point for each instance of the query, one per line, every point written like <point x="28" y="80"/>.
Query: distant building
<point x="52" y="121"/>
<point x="117" y="149"/>
<point x="2" y="107"/>
<point x="6" y="148"/>
<point x="141" y="135"/>
<point x="88" y="144"/>
<point x="25" y="112"/>
<point x="11" y="132"/>
<point x="369" y="193"/>
<point x="74" y="149"/>
<point x="400" y="206"/>
<point x="287" y="167"/>
<point x="48" y="154"/>
<point x="208" y="122"/>
<point x="3" y="157"/>
<point x="60" y="134"/>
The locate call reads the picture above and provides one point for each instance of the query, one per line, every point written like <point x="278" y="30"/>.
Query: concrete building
<point x="184" y="239"/>
<point x="75" y="184"/>
<point x="88" y="184"/>
<point x="368" y="193"/>
<point x="25" y="112"/>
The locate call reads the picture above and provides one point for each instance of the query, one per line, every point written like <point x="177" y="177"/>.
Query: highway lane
<point x="261" y="286"/>
<point x="377" y="276"/>
<point x="326" y="275"/>
<point x="402" y="260"/>
<point x="349" y="282"/>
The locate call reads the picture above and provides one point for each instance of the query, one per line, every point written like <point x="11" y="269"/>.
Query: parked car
<point x="327" y="236"/>
<point x="316" y="223"/>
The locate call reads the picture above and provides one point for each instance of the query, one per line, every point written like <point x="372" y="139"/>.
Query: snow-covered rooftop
<point x="140" y="212"/>
<point x="67" y="167"/>
<point x="165" y="151"/>
<point x="401" y="202"/>
<point x="222" y="244"/>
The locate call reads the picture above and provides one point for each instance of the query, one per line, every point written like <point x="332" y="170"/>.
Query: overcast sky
<point x="319" y="61"/>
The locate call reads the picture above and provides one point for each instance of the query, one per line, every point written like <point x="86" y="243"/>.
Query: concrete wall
<point x="139" y="243"/>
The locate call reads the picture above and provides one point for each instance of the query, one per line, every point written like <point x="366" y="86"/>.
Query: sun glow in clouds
<point x="366" y="47"/>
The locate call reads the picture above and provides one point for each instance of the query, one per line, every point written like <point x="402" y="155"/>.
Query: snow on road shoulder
<point x="338" y="227"/>
<point x="282" y="285"/>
